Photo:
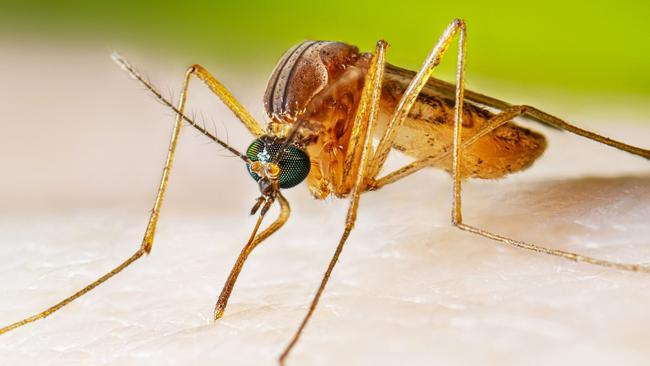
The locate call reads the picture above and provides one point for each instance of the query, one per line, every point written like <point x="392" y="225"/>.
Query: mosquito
<point x="326" y="102"/>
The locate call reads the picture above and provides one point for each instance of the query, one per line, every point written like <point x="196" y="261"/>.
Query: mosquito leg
<point x="242" y="114"/>
<point x="493" y="123"/>
<point x="546" y="118"/>
<point x="538" y="116"/>
<point x="506" y="115"/>
<point x="368" y="110"/>
<point x="352" y="161"/>
<point x="147" y="241"/>
<point x="78" y="294"/>
<point x="457" y="212"/>
<point x="456" y="215"/>
<point x="228" y="99"/>
<point x="416" y="85"/>
<point x="285" y="211"/>
<point x="410" y="95"/>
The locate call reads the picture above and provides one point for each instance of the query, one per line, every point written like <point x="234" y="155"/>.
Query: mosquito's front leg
<point x="147" y="240"/>
<point x="366" y="116"/>
<point x="253" y="126"/>
<point x="228" y="99"/>
<point x="150" y="232"/>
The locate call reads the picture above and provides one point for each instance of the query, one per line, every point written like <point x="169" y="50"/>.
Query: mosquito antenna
<point x="126" y="66"/>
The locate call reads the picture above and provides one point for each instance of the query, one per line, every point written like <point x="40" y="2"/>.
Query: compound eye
<point x="292" y="169"/>
<point x="254" y="152"/>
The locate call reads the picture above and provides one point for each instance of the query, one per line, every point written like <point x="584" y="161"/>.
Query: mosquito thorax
<point x="291" y="168"/>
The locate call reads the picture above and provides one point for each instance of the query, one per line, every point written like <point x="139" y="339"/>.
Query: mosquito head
<point x="276" y="164"/>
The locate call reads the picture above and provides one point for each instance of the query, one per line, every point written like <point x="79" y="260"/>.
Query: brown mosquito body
<point x="321" y="83"/>
<point x="334" y="116"/>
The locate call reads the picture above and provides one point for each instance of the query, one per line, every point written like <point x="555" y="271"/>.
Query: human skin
<point x="82" y="148"/>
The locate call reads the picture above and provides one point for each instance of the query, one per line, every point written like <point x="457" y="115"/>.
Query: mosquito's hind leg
<point x="456" y="215"/>
<point x="490" y="125"/>
<point x="457" y="219"/>
<point x="546" y="118"/>
<point x="494" y="122"/>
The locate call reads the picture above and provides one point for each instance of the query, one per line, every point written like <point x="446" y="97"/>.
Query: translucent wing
<point x="440" y="88"/>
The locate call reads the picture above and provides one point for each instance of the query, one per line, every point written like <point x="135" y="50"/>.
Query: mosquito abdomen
<point x="428" y="131"/>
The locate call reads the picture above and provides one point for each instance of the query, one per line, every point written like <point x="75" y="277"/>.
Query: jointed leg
<point x="456" y="216"/>
<point x="368" y="109"/>
<point x="509" y="112"/>
<point x="411" y="93"/>
<point x="228" y="99"/>
<point x="147" y="241"/>
<point x="214" y="85"/>
<point x="252" y="243"/>
<point x="557" y="122"/>
<point x="493" y="123"/>
<point x="78" y="294"/>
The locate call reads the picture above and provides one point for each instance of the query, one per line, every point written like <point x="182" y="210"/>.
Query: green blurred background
<point x="579" y="46"/>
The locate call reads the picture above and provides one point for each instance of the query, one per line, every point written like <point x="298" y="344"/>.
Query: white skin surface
<point x="82" y="148"/>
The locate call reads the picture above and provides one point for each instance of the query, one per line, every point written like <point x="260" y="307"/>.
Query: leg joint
<point x="459" y="23"/>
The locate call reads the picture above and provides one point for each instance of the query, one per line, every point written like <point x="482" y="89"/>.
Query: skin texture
<point x="417" y="287"/>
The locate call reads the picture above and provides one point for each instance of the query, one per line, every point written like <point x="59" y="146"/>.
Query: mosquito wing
<point x="428" y="129"/>
<point x="445" y="89"/>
